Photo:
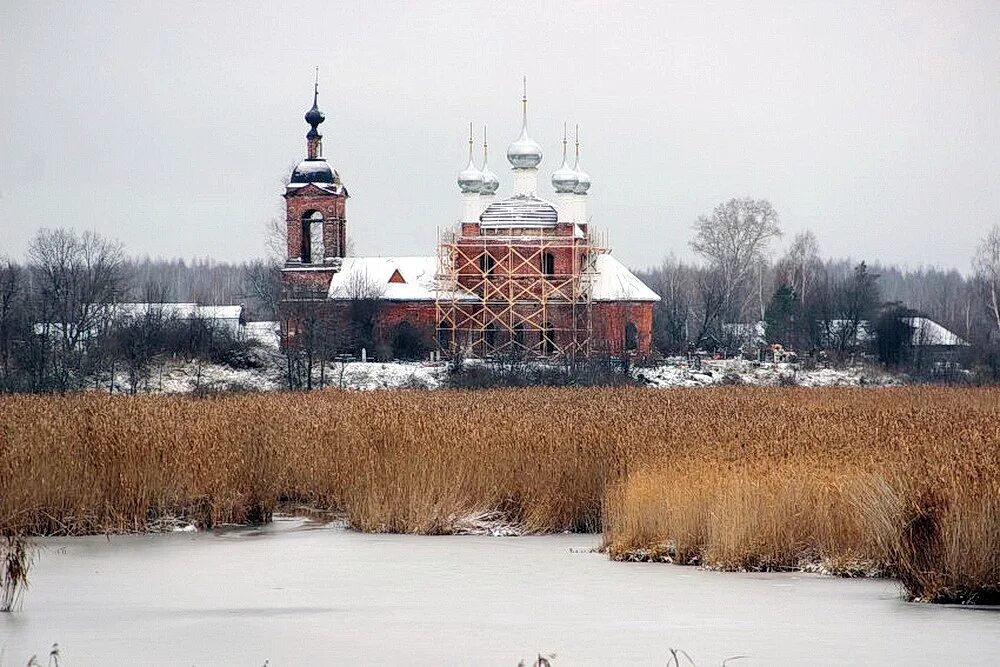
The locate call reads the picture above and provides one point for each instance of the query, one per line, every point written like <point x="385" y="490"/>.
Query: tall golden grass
<point x="902" y="479"/>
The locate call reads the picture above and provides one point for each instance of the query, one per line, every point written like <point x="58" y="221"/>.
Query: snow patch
<point x="678" y="372"/>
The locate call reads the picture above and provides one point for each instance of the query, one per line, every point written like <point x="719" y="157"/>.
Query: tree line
<point x="58" y="330"/>
<point x="66" y="321"/>
<point x="816" y="305"/>
<point x="63" y="327"/>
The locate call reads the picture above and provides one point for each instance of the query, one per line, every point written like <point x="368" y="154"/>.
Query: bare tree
<point x="734" y="239"/>
<point x="262" y="279"/>
<point x="987" y="266"/>
<point x="800" y="265"/>
<point x="675" y="283"/>
<point x="856" y="302"/>
<point x="712" y="303"/>
<point x="79" y="277"/>
<point x="12" y="293"/>
<point x="364" y="305"/>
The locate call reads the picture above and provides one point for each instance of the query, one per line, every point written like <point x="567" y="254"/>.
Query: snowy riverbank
<point x="188" y="377"/>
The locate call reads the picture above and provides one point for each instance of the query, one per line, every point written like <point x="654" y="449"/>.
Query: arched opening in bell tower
<point x="312" y="237"/>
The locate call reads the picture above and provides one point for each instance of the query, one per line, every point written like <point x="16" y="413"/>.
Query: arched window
<point x="312" y="237"/>
<point x="519" y="336"/>
<point x="631" y="337"/>
<point x="487" y="264"/>
<point x="491" y="336"/>
<point x="305" y="252"/>
<point x="548" y="339"/>
<point x="548" y="264"/>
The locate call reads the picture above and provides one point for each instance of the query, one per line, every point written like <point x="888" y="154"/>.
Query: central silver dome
<point x="520" y="211"/>
<point x="525" y="153"/>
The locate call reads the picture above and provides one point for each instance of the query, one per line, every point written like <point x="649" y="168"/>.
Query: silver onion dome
<point x="564" y="179"/>
<point x="582" y="180"/>
<point x="470" y="179"/>
<point x="490" y="182"/>
<point x="582" y="177"/>
<point x="525" y="153"/>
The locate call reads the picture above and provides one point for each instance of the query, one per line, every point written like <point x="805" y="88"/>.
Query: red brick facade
<point x="611" y="320"/>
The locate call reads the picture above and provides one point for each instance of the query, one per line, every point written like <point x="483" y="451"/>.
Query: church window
<point x="548" y="264"/>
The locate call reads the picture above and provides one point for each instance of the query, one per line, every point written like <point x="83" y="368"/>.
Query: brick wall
<point x="333" y="208"/>
<point x="610" y="319"/>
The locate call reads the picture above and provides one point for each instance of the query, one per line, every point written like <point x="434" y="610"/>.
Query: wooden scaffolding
<point x="500" y="295"/>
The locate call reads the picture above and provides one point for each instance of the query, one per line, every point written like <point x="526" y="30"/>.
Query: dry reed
<point x="905" y="479"/>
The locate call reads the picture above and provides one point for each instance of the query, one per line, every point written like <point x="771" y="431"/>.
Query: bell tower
<point x="316" y="215"/>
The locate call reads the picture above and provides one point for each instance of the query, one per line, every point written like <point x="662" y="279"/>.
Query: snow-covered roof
<point x="614" y="282"/>
<point x="928" y="332"/>
<point x="521" y="211"/>
<point x="752" y="332"/>
<point x="373" y="276"/>
<point x="180" y="310"/>
<point x="325" y="187"/>
<point x="266" y="332"/>
<point x="924" y="331"/>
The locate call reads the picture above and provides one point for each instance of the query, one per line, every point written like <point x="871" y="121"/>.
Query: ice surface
<point x="299" y="596"/>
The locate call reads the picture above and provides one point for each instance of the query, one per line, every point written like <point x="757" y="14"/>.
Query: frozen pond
<point x="298" y="594"/>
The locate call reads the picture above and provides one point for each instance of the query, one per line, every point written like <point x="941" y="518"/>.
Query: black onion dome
<point x="314" y="116"/>
<point x="313" y="171"/>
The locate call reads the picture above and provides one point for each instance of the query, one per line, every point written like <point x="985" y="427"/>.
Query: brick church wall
<point x="610" y="319"/>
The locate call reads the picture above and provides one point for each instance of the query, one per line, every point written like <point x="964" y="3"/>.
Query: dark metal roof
<point x="314" y="171"/>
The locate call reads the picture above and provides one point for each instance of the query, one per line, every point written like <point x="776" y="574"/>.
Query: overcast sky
<point x="170" y="126"/>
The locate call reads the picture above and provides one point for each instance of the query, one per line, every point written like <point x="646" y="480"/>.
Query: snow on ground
<point x="678" y="372"/>
<point x="185" y="377"/>
<point x="182" y="377"/>
<point x="393" y="375"/>
<point x="179" y="377"/>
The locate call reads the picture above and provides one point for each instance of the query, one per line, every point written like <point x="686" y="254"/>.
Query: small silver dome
<point x="582" y="177"/>
<point x="470" y="179"/>
<point x="490" y="182"/>
<point x="582" y="180"/>
<point x="564" y="179"/>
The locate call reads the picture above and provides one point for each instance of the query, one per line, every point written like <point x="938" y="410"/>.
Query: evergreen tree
<point x="780" y="317"/>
